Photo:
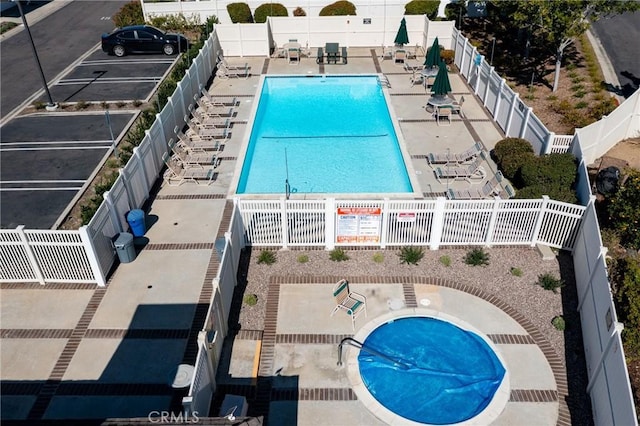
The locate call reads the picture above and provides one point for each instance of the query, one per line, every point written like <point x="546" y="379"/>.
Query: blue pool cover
<point x="432" y="371"/>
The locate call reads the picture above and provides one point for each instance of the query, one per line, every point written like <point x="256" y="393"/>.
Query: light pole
<point x="493" y="45"/>
<point x="51" y="106"/>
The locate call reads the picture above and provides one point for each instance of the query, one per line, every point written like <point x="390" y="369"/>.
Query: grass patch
<point x="250" y="299"/>
<point x="517" y="272"/>
<point x="303" y="258"/>
<point x="558" y="323"/>
<point x="378" y="257"/>
<point x="445" y="260"/>
<point x="267" y="257"/>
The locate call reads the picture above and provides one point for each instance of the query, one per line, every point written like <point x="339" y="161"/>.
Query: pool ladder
<point x="356" y="344"/>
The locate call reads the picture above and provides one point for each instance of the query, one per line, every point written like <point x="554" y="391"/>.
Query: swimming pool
<point x="432" y="372"/>
<point x="323" y="134"/>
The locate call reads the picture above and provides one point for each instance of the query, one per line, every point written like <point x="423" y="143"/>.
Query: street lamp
<point x="51" y="106"/>
<point x="493" y="45"/>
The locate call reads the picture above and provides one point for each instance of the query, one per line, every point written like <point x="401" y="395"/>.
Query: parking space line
<point x="54" y="142"/>
<point x="126" y="62"/>
<point x="54" y="148"/>
<point x="108" y="80"/>
<point x="78" y="188"/>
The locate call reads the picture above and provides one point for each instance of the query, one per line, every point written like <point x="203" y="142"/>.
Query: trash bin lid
<point x="136" y="214"/>
<point x="123" y="240"/>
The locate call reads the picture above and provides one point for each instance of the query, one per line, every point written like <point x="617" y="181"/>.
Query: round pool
<point x="428" y="370"/>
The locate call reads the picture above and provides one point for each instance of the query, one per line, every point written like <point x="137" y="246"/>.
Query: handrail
<point x="356" y="344"/>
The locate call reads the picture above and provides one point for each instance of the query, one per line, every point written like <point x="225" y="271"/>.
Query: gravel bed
<point x="522" y="293"/>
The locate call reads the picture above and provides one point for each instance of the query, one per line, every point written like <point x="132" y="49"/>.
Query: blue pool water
<point x="442" y="374"/>
<point x="328" y="134"/>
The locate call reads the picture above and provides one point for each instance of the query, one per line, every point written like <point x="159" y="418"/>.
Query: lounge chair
<point x="491" y="187"/>
<point x="344" y="55"/>
<point x="442" y="113"/>
<point x="455" y="158"/>
<point x="195" y="144"/>
<point x="351" y="302"/>
<point x="229" y="66"/>
<point x="208" y="133"/>
<point x="205" y="113"/>
<point x="225" y="73"/>
<point x="187" y="159"/>
<point x="212" y="102"/>
<point x="176" y="175"/>
<point x="320" y="56"/>
<point x="468" y="172"/>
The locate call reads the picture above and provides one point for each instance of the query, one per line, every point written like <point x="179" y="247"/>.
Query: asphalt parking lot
<point x="47" y="159"/>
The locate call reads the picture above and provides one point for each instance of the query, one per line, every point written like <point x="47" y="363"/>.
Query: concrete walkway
<point x="80" y="352"/>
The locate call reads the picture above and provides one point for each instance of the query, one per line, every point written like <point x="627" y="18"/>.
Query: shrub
<point x="550" y="170"/>
<point x="447" y="55"/>
<point x="555" y="192"/>
<point x="549" y="282"/>
<point x="455" y="9"/>
<point x="339" y="8"/>
<point x="604" y="107"/>
<point x="82" y="105"/>
<point x="267" y="257"/>
<point x="422" y="7"/>
<point x="240" y="13"/>
<point x="88" y="210"/>
<point x="516" y="272"/>
<point x="508" y="147"/>
<point x="129" y="14"/>
<point x="476" y="257"/>
<point x="299" y="12"/>
<point x="627" y="299"/>
<point x="303" y="258"/>
<point x="251" y="299"/>
<point x="269" y="9"/>
<point x="411" y="255"/>
<point x="581" y="105"/>
<point x="445" y="260"/>
<point x="624" y="210"/>
<point x="378" y="257"/>
<point x="558" y="322"/>
<point x="338" y="255"/>
<point x="175" y="23"/>
<point x="39" y="104"/>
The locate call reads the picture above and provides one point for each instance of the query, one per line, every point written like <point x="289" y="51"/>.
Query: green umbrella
<point x="433" y="55"/>
<point x="441" y="85"/>
<point x="402" y="37"/>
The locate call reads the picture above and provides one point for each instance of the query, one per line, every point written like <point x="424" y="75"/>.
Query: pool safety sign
<point x="358" y="225"/>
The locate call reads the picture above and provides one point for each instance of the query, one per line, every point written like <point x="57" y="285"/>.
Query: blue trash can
<point x="135" y="218"/>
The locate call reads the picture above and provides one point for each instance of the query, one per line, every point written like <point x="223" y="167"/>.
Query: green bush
<point x="129" y="14"/>
<point x="339" y="8"/>
<point x="267" y="257"/>
<point x="378" y="257"/>
<point x="445" y="260"/>
<point x="240" y="13"/>
<point x="303" y="258"/>
<point x="338" y="255"/>
<point x="508" y="147"/>
<point x="476" y="257"/>
<point x="422" y="7"/>
<point x="624" y="210"/>
<point x="604" y="107"/>
<point x="251" y="299"/>
<point x="411" y="255"/>
<point x="558" y="323"/>
<point x="511" y="165"/>
<point x="175" y="23"/>
<point x="549" y="282"/>
<point x="299" y="12"/>
<point x="550" y="170"/>
<point x="269" y="9"/>
<point x="88" y="210"/>
<point x="448" y="56"/>
<point x="627" y="299"/>
<point x="455" y="9"/>
<point x="555" y="192"/>
<point x="516" y="272"/>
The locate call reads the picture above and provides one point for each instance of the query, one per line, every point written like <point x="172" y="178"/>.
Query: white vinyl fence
<point x="330" y="222"/>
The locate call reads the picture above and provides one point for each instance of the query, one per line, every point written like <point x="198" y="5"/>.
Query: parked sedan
<point x="143" y="39"/>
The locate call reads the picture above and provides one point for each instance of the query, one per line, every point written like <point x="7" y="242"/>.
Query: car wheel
<point x="169" y="49"/>
<point x="119" y="51"/>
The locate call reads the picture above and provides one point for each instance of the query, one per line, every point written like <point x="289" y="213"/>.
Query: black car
<point x="143" y="39"/>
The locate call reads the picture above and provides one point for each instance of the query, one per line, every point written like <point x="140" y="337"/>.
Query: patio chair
<point x="225" y="73"/>
<point x="186" y="158"/>
<point x="212" y="102"/>
<point x="293" y="56"/>
<point x="208" y="133"/>
<point x="320" y="56"/>
<point x="278" y="52"/>
<point x="344" y="55"/>
<point x="468" y="172"/>
<point x="351" y="302"/>
<point x="176" y="175"/>
<point x="399" y="56"/>
<point x="193" y="143"/>
<point x="457" y="106"/>
<point x="412" y="68"/>
<point x="428" y="82"/>
<point x="416" y="79"/>
<point x="442" y="113"/>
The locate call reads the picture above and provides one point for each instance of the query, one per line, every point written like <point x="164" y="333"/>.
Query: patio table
<point x="439" y="101"/>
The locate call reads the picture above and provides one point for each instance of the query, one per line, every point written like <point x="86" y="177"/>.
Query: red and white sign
<point x="407" y="217"/>
<point x="358" y="225"/>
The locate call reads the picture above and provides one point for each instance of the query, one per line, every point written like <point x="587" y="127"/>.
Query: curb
<point x="33" y="17"/>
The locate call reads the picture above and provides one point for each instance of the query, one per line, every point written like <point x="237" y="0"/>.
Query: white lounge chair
<point x="176" y="175"/>
<point x="455" y="158"/>
<point x="349" y="301"/>
<point x="188" y="159"/>
<point x="227" y="65"/>
<point x="217" y="101"/>
<point x="213" y="107"/>
<point x="468" y="172"/>
<point x="195" y="144"/>
<point x="208" y="133"/>
<point x="491" y="187"/>
<point x="225" y="73"/>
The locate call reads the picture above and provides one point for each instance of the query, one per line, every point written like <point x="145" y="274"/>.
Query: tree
<point x="559" y="22"/>
<point x="624" y="210"/>
<point x="129" y="14"/>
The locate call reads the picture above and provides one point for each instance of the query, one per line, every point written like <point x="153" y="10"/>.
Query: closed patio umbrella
<point x="433" y="55"/>
<point x="441" y="85"/>
<point x="402" y="37"/>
